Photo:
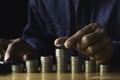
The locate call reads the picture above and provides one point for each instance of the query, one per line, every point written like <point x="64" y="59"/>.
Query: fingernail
<point x="68" y="44"/>
<point x="59" y="44"/>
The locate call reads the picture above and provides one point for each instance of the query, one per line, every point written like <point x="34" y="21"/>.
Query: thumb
<point x="9" y="51"/>
<point x="59" y="42"/>
<point x="1" y="54"/>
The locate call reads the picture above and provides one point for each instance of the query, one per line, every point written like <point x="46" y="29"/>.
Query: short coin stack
<point x="76" y="65"/>
<point x="46" y="64"/>
<point x="18" y="68"/>
<point x="104" y="68"/>
<point x="62" y="60"/>
<point x="32" y="66"/>
<point x="90" y="66"/>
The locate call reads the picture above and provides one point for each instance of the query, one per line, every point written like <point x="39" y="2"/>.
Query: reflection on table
<point x="61" y="76"/>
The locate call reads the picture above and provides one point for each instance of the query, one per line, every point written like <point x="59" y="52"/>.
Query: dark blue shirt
<point x="50" y="19"/>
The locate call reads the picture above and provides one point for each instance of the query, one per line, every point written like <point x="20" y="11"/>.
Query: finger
<point x="85" y="42"/>
<point x="26" y="57"/>
<point x="99" y="55"/>
<point x="90" y="39"/>
<point x="96" y="47"/>
<point x="92" y="50"/>
<point x="13" y="54"/>
<point x="9" y="51"/>
<point x="59" y="42"/>
<point x="103" y="57"/>
<point x="104" y="54"/>
<point x="3" y="45"/>
<point x="73" y="40"/>
<point x="30" y="56"/>
<point x="14" y="50"/>
<point x="103" y="61"/>
<point x="1" y="55"/>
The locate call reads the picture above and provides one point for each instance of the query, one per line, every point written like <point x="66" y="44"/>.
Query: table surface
<point x="61" y="76"/>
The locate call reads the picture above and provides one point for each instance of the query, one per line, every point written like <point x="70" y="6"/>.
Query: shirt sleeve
<point x="35" y="32"/>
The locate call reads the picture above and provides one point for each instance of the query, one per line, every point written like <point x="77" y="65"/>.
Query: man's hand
<point x="16" y="49"/>
<point x="3" y="46"/>
<point x="92" y="41"/>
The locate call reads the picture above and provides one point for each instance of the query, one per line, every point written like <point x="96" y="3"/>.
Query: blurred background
<point x="13" y="18"/>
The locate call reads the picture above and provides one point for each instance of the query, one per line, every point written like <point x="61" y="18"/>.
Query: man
<point x="89" y="27"/>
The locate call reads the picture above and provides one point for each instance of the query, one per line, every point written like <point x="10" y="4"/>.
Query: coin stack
<point x="90" y="66"/>
<point x="32" y="66"/>
<point x="76" y="65"/>
<point x="18" y="68"/>
<point x="104" y="68"/>
<point x="62" y="60"/>
<point x="46" y="64"/>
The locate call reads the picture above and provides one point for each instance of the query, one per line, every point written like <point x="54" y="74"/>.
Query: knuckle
<point x="103" y="32"/>
<point x="81" y="32"/>
<point x="85" y="39"/>
<point x="90" y="49"/>
<point x="95" y="25"/>
<point x="95" y="57"/>
<point x="92" y="58"/>
<point x="79" y="47"/>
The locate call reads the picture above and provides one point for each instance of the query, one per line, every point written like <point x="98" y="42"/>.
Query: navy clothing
<point x="50" y="19"/>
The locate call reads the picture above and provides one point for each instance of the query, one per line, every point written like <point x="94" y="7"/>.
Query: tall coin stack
<point x="90" y="66"/>
<point x="76" y="64"/>
<point x="62" y="60"/>
<point x="32" y="66"/>
<point x="46" y="64"/>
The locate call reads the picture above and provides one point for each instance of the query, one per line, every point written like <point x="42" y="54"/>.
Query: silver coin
<point x="90" y="66"/>
<point x="46" y="64"/>
<point x="32" y="66"/>
<point x="76" y="65"/>
<point x="18" y="68"/>
<point x="104" y="68"/>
